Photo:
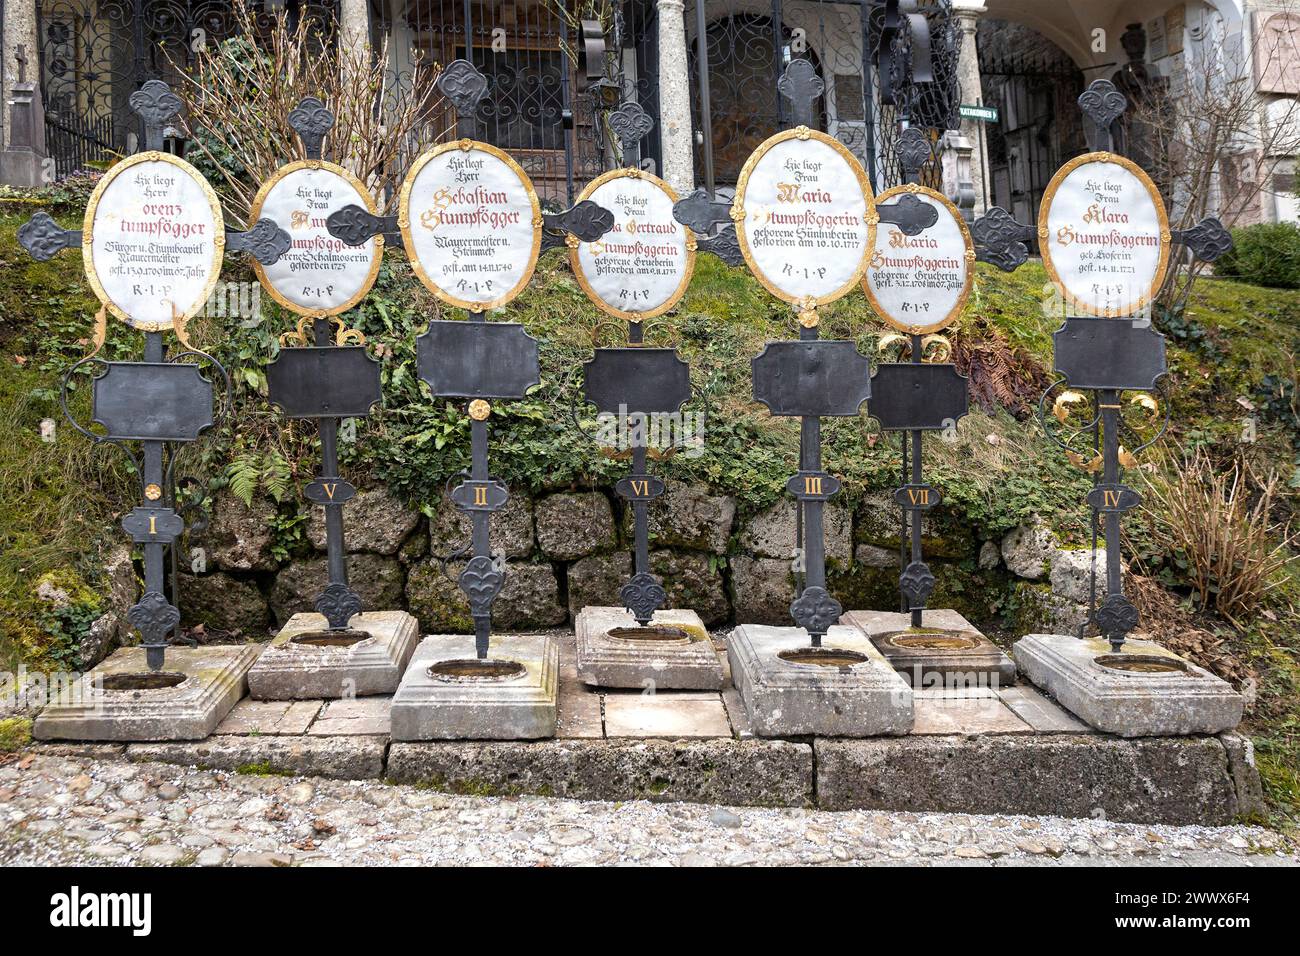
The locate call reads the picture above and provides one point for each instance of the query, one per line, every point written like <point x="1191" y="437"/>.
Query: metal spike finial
<point x="463" y="84"/>
<point x="913" y="153"/>
<point x="1104" y="104"/>
<point x="311" y="120"/>
<point x="801" y="85"/>
<point x="631" y="124"/>
<point x="155" y="104"/>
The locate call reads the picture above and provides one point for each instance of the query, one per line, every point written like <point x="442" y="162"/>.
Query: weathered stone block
<point x="433" y="706"/>
<point x="738" y="773"/>
<point x="771" y="533"/>
<point x="948" y="651"/>
<point x="786" y="698"/>
<point x="608" y="659"/>
<point x="1155" y="780"/>
<point x="239" y="536"/>
<point x="596" y="581"/>
<point x="1028" y="550"/>
<point x="511" y="531"/>
<point x="373" y="520"/>
<point x="338" y="758"/>
<point x="691" y="582"/>
<point x="222" y="602"/>
<point x="378" y="580"/>
<point x="574" y="525"/>
<point x="763" y="588"/>
<point x="291" y="670"/>
<point x="529" y="598"/>
<point x="1072" y="571"/>
<point x="688" y="516"/>
<point x="1130" y="703"/>
<point x="213" y="681"/>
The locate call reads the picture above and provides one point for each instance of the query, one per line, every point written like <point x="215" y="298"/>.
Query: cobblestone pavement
<point x="58" y="809"/>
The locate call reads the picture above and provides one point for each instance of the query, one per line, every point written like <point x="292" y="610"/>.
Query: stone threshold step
<point x="1177" y="780"/>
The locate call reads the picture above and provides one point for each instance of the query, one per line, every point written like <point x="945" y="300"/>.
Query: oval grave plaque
<point x="471" y="223"/>
<point x="804" y="216"/>
<point x="919" y="284"/>
<point x="152" y="240"/>
<point x="1104" y="235"/>
<point x="641" y="267"/>
<point x="319" y="275"/>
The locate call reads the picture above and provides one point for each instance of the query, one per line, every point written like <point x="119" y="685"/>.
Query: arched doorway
<point x="744" y="63"/>
<point x="1035" y="85"/>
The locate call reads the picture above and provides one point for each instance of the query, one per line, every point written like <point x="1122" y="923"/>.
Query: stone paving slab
<point x="578" y="712"/>
<point x="271" y="717"/>
<point x="665" y="715"/>
<point x="970" y="716"/>
<point x="366" y="716"/>
<point x="1043" y="715"/>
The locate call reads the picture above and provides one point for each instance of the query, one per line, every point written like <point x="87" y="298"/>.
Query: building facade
<point x="707" y="70"/>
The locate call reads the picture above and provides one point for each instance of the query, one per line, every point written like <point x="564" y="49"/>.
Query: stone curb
<point x="1182" y="780"/>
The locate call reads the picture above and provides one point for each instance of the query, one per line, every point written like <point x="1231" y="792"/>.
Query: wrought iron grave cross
<point x="161" y="402"/>
<point x="491" y="207"/>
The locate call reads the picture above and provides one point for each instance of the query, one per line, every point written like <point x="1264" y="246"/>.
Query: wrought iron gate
<point x="552" y="79"/>
<point x="738" y="53"/>
<point x="93" y="56"/>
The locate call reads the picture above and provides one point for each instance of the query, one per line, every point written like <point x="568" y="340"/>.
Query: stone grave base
<point x="948" y="651"/>
<point x="674" y="652"/>
<point x="329" y="665"/>
<point x="447" y="694"/>
<point x="1146" y="691"/>
<point x="855" y="694"/>
<point x="196" y="688"/>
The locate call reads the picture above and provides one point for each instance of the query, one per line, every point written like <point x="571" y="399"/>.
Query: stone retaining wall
<point x="572" y="548"/>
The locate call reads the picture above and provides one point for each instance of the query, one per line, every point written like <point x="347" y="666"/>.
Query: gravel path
<point x="75" y="810"/>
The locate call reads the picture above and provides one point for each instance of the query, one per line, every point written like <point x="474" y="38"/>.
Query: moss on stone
<point x="15" y="734"/>
<point x="262" y="768"/>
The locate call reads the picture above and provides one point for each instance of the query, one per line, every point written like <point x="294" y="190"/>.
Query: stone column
<point x="966" y="13"/>
<point x="675" y="98"/>
<point x="19" y="30"/>
<point x="354" y="24"/>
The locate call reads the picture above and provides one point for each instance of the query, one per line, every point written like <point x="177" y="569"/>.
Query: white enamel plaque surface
<point x="804" y="231"/>
<point x="469" y="224"/>
<point x="643" y="264"/>
<point x="319" y="273"/>
<point x="920" y="283"/>
<point x="1106" y="244"/>
<point x="156" y="238"/>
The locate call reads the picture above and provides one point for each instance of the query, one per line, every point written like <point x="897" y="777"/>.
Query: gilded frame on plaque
<point x="255" y="213"/>
<point x="968" y="254"/>
<point x="870" y="216"/>
<point x="687" y="272"/>
<point x="404" y="223"/>
<point x="1162" y="216"/>
<point x="88" y="237"/>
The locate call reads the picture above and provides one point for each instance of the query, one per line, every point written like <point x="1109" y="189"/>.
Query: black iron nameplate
<point x="918" y="497"/>
<point x="480" y="496"/>
<point x="149" y="401"/>
<point x="477" y="359"/>
<point x="153" y="525"/>
<point x="1102" y="353"/>
<point x="329" y="381"/>
<point x="640" y="487"/>
<point x="813" y="485"/>
<point x="815" y="378"/>
<point x="329" y="491"/>
<point x="1113" y="499"/>
<point x="636" y="380"/>
<point x="907" y="396"/>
